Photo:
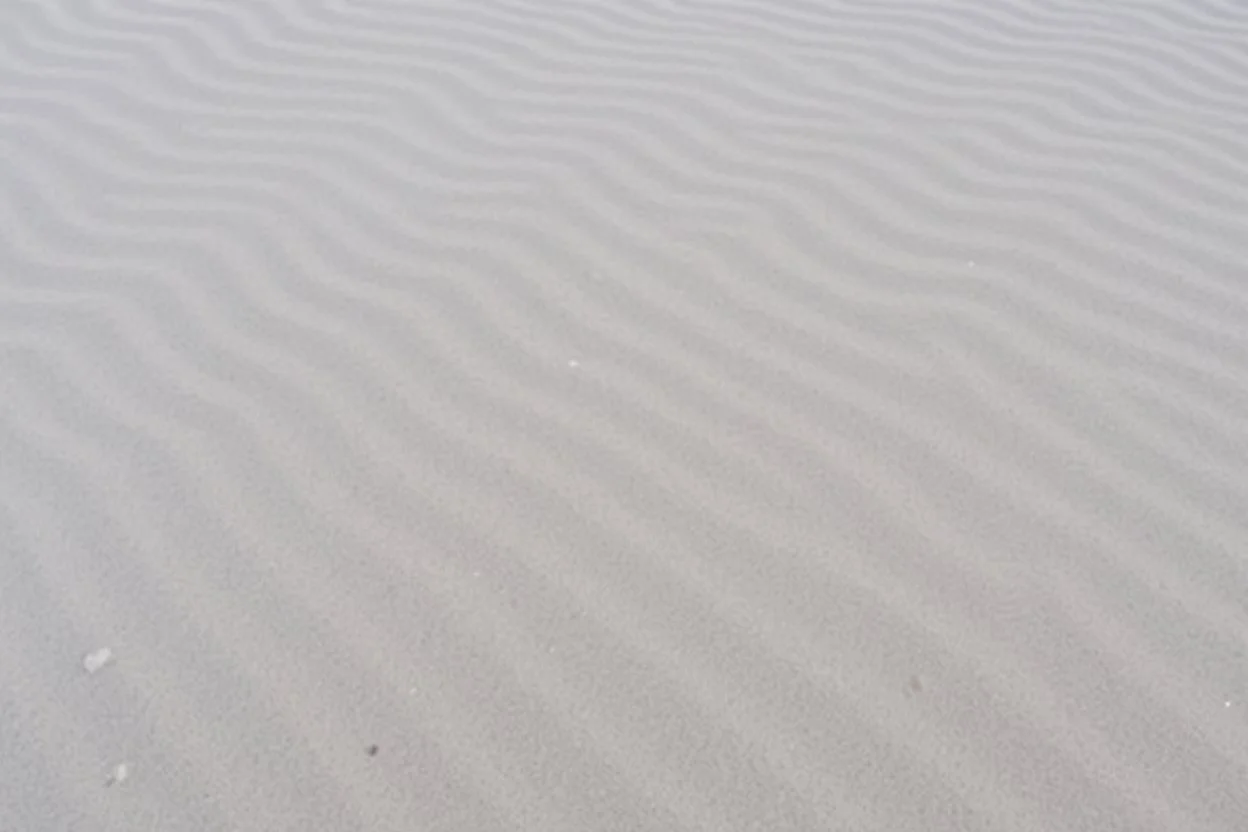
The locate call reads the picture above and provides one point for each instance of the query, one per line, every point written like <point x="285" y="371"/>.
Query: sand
<point x="644" y="416"/>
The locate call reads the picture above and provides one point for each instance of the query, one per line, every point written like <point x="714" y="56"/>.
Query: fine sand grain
<point x="638" y="415"/>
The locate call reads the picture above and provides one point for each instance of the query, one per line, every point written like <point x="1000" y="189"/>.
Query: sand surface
<point x="648" y="415"/>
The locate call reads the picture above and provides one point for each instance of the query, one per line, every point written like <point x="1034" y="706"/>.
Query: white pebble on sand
<point x="97" y="659"/>
<point x="120" y="774"/>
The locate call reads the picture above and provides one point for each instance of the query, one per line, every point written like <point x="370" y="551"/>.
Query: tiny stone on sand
<point x="119" y="775"/>
<point x="95" y="661"/>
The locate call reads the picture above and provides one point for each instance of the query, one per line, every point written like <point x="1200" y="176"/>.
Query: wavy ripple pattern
<point x="501" y="415"/>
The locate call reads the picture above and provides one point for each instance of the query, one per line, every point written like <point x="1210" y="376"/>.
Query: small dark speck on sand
<point x="372" y="750"/>
<point x="914" y="686"/>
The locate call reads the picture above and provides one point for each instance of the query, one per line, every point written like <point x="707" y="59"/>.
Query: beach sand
<point x="643" y="416"/>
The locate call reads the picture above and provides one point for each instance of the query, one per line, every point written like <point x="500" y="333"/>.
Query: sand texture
<point x="629" y="415"/>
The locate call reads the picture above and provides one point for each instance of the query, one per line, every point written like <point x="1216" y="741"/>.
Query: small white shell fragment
<point x="120" y="774"/>
<point x="96" y="659"/>
<point x="574" y="364"/>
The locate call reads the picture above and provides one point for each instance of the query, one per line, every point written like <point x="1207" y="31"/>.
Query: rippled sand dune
<point x="643" y="416"/>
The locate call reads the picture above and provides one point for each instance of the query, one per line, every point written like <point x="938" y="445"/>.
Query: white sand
<point x="641" y="416"/>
